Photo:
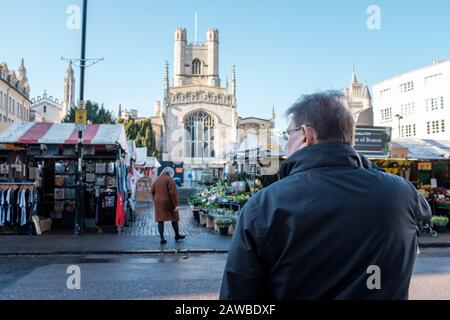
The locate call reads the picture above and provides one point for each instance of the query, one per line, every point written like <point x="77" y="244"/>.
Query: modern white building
<point x="415" y="104"/>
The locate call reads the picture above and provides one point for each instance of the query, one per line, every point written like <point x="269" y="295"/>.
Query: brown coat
<point x="165" y="197"/>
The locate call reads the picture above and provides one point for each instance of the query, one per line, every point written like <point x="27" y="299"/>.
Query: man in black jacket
<point x="330" y="228"/>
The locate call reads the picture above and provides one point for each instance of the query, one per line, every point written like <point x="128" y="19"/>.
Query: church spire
<point x="166" y="78"/>
<point x="354" y="80"/>
<point x="22" y="73"/>
<point x="233" y="81"/>
<point x="69" y="91"/>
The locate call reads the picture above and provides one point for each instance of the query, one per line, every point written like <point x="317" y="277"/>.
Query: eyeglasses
<point x="287" y="133"/>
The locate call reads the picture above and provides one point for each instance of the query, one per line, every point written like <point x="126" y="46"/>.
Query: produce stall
<point x="218" y="206"/>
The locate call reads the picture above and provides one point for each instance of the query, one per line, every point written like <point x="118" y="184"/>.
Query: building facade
<point x="46" y="109"/>
<point x="198" y="118"/>
<point x="127" y="114"/>
<point x="359" y="101"/>
<point x="415" y="104"/>
<point x="14" y="94"/>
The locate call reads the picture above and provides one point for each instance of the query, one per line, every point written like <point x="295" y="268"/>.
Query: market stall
<point x="49" y="152"/>
<point x="218" y="206"/>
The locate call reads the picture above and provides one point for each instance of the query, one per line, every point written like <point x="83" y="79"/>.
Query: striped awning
<point x="63" y="133"/>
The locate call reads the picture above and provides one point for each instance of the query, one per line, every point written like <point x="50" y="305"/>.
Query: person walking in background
<point x="165" y="198"/>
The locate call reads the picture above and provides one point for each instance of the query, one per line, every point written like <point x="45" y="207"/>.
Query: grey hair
<point x="327" y="113"/>
<point x="169" y="171"/>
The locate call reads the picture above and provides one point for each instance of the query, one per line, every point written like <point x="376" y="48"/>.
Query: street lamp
<point x="79" y="217"/>
<point x="399" y="117"/>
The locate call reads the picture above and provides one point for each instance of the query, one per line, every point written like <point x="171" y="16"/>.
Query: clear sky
<point x="282" y="49"/>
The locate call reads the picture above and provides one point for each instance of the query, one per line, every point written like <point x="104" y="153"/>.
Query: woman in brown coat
<point x="165" y="198"/>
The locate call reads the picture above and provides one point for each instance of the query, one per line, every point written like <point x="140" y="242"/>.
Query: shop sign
<point x="372" y="140"/>
<point x="425" y="166"/>
<point x="80" y="119"/>
<point x="144" y="190"/>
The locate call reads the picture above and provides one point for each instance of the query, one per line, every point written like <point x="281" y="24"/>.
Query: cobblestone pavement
<point x="145" y="224"/>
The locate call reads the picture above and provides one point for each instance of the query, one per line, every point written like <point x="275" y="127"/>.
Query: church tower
<point x="196" y="64"/>
<point x="69" y="91"/>
<point x="359" y="101"/>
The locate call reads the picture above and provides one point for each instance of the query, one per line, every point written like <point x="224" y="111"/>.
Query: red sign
<point x="179" y="170"/>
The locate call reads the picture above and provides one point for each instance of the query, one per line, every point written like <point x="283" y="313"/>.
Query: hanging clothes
<point x="2" y="209"/>
<point x="120" y="211"/>
<point x="16" y="204"/>
<point x="106" y="209"/>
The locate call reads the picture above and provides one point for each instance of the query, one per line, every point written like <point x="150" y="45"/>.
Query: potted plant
<point x="439" y="223"/>
<point x="223" y="226"/>
<point x="203" y="217"/>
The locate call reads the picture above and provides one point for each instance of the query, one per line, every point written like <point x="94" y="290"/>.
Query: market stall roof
<point x="63" y="133"/>
<point x="131" y="144"/>
<point x="152" y="162"/>
<point x="420" y="149"/>
<point x="251" y="144"/>
<point x="141" y="156"/>
<point x="131" y="155"/>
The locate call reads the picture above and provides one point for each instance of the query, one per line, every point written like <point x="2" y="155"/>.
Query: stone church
<point x="197" y="122"/>
<point x="359" y="101"/>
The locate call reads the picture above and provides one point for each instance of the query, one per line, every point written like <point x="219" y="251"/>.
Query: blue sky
<point x="282" y="49"/>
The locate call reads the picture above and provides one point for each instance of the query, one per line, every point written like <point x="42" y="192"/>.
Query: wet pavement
<point x="164" y="276"/>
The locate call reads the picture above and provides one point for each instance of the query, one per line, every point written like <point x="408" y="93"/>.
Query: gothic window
<point x="196" y="67"/>
<point x="200" y="136"/>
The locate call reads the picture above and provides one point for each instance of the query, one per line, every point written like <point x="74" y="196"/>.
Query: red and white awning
<point x="63" y="133"/>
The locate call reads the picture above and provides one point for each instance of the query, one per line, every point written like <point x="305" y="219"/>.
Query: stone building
<point x="14" y="94"/>
<point x="198" y="120"/>
<point x="359" y="101"/>
<point x="46" y="109"/>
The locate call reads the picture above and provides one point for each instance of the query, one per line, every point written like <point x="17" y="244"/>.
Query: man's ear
<point x="309" y="136"/>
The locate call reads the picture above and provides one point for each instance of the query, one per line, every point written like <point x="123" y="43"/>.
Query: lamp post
<point x="399" y="117"/>
<point x="79" y="187"/>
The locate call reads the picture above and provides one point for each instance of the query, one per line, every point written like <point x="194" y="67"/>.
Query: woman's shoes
<point x="179" y="237"/>
<point x="163" y="241"/>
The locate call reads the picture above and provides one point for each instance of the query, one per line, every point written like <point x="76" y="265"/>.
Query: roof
<point x="422" y="149"/>
<point x="63" y="133"/>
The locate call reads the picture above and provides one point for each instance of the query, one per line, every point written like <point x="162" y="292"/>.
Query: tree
<point x="95" y="114"/>
<point x="142" y="133"/>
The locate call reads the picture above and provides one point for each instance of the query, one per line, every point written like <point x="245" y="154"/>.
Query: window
<point x="407" y="109"/>
<point x="1" y="100"/>
<point x="435" y="126"/>
<point x="196" y="67"/>
<point x="434" y="104"/>
<point x="408" y="131"/>
<point x="200" y="136"/>
<point x="386" y="114"/>
<point x="407" y="86"/>
<point x="45" y="109"/>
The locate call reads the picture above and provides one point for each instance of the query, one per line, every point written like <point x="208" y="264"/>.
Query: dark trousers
<point x="161" y="228"/>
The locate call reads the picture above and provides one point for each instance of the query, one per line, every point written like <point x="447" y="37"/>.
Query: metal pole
<point x="79" y="199"/>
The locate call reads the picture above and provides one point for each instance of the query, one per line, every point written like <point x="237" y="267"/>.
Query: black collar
<point x="324" y="154"/>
